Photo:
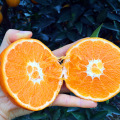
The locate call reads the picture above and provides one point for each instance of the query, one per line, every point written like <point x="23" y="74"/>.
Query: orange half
<point x="31" y="74"/>
<point x="91" y="69"/>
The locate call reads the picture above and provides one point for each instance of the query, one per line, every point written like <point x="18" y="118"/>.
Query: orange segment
<point x="14" y="57"/>
<point x="95" y="70"/>
<point x="110" y="84"/>
<point x="97" y="49"/>
<point x="29" y="69"/>
<point x="111" y="55"/>
<point x="104" y="49"/>
<point x="97" y="90"/>
<point x="85" y="86"/>
<point x="115" y="75"/>
<point x="35" y="75"/>
<point x="38" y="51"/>
<point x="17" y="83"/>
<point x="28" y="50"/>
<point x="39" y="98"/>
<point x="86" y="49"/>
<point x="13" y="69"/>
<point x="25" y="94"/>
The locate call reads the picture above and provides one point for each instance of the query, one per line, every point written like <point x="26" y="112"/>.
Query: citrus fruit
<point x="30" y="74"/>
<point x="1" y="17"/>
<point x="92" y="68"/>
<point x="33" y="1"/>
<point x="13" y="3"/>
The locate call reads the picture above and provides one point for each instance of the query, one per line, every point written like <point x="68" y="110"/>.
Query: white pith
<point x="39" y="70"/>
<point x="89" y="71"/>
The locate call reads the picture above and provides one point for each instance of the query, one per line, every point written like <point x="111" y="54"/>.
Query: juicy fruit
<point x="91" y="69"/>
<point x="13" y="3"/>
<point x="31" y="75"/>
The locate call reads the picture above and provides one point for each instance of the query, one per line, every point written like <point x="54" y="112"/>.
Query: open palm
<point x="8" y="110"/>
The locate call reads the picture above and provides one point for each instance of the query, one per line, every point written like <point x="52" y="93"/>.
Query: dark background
<point x="60" y="22"/>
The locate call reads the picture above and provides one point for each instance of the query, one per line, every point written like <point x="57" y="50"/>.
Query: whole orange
<point x="33" y="1"/>
<point x="13" y="3"/>
<point x="1" y="17"/>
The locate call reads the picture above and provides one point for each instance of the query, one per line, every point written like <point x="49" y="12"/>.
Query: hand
<point x="9" y="111"/>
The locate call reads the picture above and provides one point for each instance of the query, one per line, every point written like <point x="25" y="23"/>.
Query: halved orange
<point x="91" y="69"/>
<point x="31" y="75"/>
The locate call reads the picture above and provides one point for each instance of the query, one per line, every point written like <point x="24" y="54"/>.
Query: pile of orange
<point x="31" y="75"/>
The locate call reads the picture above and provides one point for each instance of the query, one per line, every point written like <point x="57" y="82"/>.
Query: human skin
<point x="9" y="111"/>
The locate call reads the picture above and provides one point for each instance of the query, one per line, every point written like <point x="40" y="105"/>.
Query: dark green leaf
<point x="113" y="16"/>
<point x="64" y="16"/>
<point x="107" y="102"/>
<point x="89" y="31"/>
<point x="44" y="37"/>
<point x="111" y="3"/>
<point x="76" y="11"/>
<point x="79" y="27"/>
<point x="43" y="22"/>
<point x="46" y="10"/>
<point x="117" y="25"/>
<point x="102" y="16"/>
<point x="79" y="116"/>
<point x="111" y="109"/>
<point x="91" y="19"/>
<point x="43" y="2"/>
<point x="110" y="26"/>
<point x="88" y="13"/>
<point x="37" y="116"/>
<point x="88" y="113"/>
<point x="85" y="21"/>
<point x="60" y="37"/>
<point x="73" y="36"/>
<point x="96" y="32"/>
<point x="99" y="115"/>
<point x="56" y="115"/>
<point x="72" y="109"/>
<point x="118" y="94"/>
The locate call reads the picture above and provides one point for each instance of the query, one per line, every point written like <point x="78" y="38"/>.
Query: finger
<point x="62" y="51"/>
<point x="72" y="101"/>
<point x="13" y="35"/>
<point x="64" y="89"/>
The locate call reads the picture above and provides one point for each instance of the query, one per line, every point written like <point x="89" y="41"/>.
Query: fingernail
<point x="23" y="34"/>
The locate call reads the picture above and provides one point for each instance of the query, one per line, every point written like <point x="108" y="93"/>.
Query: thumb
<point x="13" y="35"/>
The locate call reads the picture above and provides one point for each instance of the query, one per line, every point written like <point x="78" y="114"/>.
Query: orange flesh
<point x="33" y="74"/>
<point x="106" y="75"/>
